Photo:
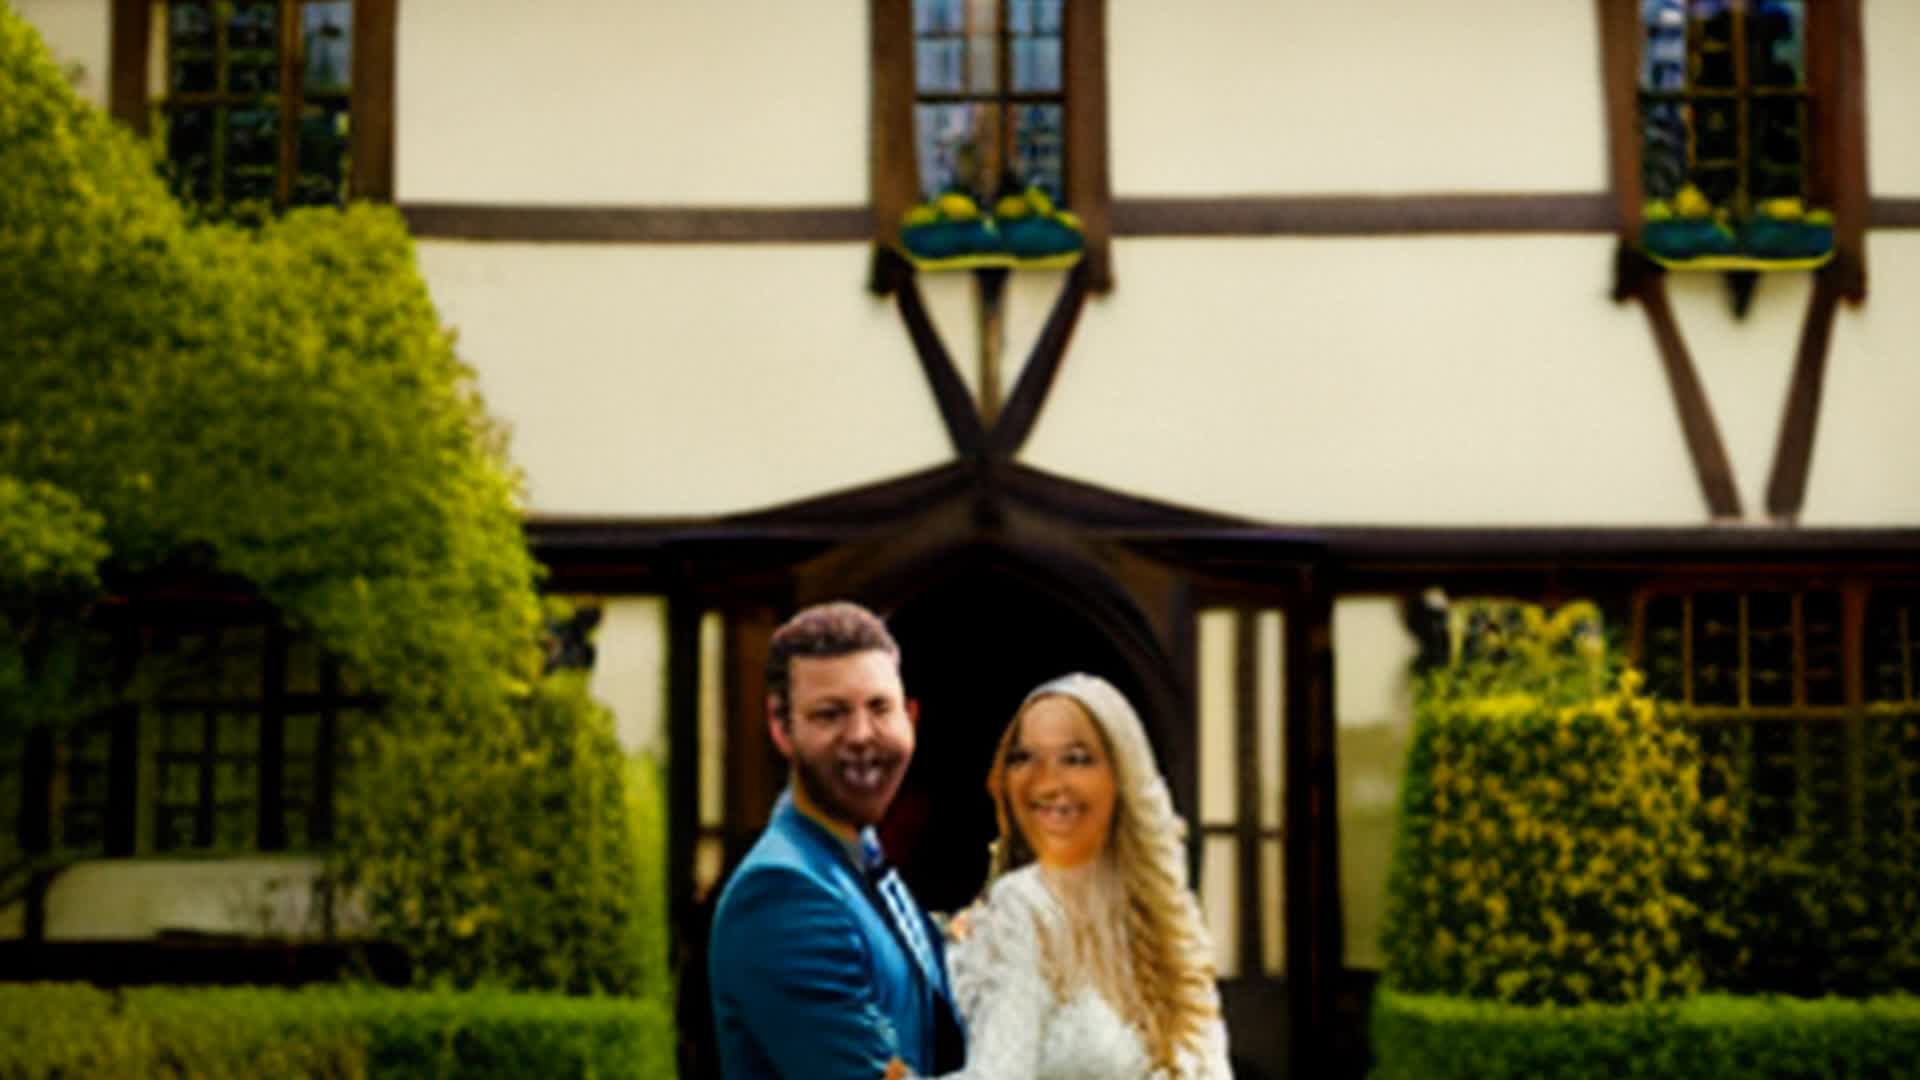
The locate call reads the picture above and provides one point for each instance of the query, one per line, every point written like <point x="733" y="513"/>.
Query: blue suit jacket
<point x="810" y="978"/>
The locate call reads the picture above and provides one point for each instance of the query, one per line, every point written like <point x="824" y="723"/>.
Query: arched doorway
<point x="975" y="640"/>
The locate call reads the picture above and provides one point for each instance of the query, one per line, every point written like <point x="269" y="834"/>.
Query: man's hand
<point x="896" y="1070"/>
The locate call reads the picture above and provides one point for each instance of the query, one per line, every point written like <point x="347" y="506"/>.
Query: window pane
<point x="1826" y="656"/>
<point x="1770" y="648"/>
<point x="1036" y="65"/>
<point x="1713" y="63"/>
<point x="190" y="152"/>
<point x="939" y="16"/>
<point x="1219" y="749"/>
<point x="1273" y="913"/>
<point x="939" y="65"/>
<point x="1220" y="901"/>
<point x="1033" y="16"/>
<point x="326" y="34"/>
<point x="956" y="147"/>
<point x="1040" y="148"/>
<point x="253" y="49"/>
<point x="983" y="63"/>
<point x="713" y="720"/>
<point x="1663" y="53"/>
<point x="1776" y="43"/>
<point x="1270" y="686"/>
<point x="1716" y="649"/>
<point x="321" y="180"/>
<point x="253" y="149"/>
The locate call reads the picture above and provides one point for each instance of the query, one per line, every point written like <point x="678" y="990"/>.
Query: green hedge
<point x="1701" y="1038"/>
<point x="1547" y="820"/>
<point x="70" y="1031"/>
<point x="526" y="852"/>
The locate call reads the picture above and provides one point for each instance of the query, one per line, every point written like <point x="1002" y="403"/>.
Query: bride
<point x="1087" y="957"/>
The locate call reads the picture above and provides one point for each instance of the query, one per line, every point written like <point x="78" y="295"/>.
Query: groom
<point x="822" y="965"/>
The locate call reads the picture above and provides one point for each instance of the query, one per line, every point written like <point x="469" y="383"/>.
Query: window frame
<point x="893" y="172"/>
<point x="1836" y="168"/>
<point x="370" y="98"/>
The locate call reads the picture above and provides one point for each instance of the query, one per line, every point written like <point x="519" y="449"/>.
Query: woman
<point x="1087" y="957"/>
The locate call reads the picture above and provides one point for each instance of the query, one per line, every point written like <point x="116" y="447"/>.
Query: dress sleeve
<point x="1000" y="988"/>
<point x="795" y="961"/>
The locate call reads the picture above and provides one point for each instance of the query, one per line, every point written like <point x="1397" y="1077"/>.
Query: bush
<point x="1701" y="1038"/>
<point x="66" y="1031"/>
<point x="524" y="851"/>
<point x="50" y="553"/>
<point x="1546" y="821"/>
<point x="282" y="401"/>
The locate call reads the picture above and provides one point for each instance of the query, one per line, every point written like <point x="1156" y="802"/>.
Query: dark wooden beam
<point x="1619" y="73"/>
<point x="1089" y="177"/>
<point x="1364" y="215"/>
<point x="1016" y="421"/>
<point x="683" y="753"/>
<point x="1836" y="63"/>
<point x="1710" y="463"/>
<point x="893" y="173"/>
<point x="128" y="56"/>
<point x="949" y="392"/>
<point x="1246" y="700"/>
<point x="638" y="224"/>
<point x="375" y="29"/>
<point x="1315" y="933"/>
<point x="1888" y="213"/>
<point x="1793" y="453"/>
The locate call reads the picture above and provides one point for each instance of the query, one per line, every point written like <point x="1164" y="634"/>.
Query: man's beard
<point x="817" y="778"/>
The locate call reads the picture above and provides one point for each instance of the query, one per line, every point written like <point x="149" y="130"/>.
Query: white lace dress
<point x="1017" y="1029"/>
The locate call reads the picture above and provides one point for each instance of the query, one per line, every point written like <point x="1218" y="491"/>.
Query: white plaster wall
<point x="1866" y="452"/>
<point x="613" y="101"/>
<point x="1892" y="32"/>
<point x="629" y="670"/>
<point x="1290" y="96"/>
<point x="123" y="899"/>
<point x="664" y="380"/>
<point x="1441" y="381"/>
<point x="77" y="34"/>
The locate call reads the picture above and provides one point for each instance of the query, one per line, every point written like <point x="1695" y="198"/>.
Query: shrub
<point x="1702" y="1038"/>
<point x="50" y="552"/>
<point x="520" y="851"/>
<point x="281" y="399"/>
<point x="1546" y="821"/>
<point x="64" y="1031"/>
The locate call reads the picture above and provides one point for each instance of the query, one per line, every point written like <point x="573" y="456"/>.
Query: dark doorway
<point x="973" y="645"/>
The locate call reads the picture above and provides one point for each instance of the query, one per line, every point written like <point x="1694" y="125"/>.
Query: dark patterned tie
<point x="886" y="881"/>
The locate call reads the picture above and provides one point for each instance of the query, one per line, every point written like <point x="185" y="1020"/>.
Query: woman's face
<point x="1060" y="783"/>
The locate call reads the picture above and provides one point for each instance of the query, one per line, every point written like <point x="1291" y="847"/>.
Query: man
<point x="822" y="965"/>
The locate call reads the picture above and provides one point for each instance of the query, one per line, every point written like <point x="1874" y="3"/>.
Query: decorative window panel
<point x="1725" y="119"/>
<point x="989" y="96"/>
<point x="257" y="110"/>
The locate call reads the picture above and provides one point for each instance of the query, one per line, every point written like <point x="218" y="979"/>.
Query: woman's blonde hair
<point x="1171" y="999"/>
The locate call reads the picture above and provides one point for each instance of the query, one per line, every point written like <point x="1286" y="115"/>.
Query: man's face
<point x="848" y="733"/>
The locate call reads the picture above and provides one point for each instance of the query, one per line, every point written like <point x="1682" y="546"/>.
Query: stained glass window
<point x="256" y="108"/>
<point x="1724" y="132"/>
<point x="989" y="102"/>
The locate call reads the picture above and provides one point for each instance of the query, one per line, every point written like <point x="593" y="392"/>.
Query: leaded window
<point x="1725" y="119"/>
<point x="989" y="101"/>
<point x="257" y="105"/>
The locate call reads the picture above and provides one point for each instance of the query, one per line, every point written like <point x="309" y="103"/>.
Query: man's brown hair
<point x="839" y="628"/>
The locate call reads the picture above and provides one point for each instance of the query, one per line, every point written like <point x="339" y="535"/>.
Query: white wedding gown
<point x="1018" y="1030"/>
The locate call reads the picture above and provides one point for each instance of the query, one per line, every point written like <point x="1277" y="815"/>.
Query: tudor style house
<point x="1209" y="346"/>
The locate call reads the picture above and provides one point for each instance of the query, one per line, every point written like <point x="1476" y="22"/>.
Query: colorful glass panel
<point x="989" y="76"/>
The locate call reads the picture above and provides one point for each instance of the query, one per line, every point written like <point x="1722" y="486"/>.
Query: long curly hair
<point x="1169" y="993"/>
